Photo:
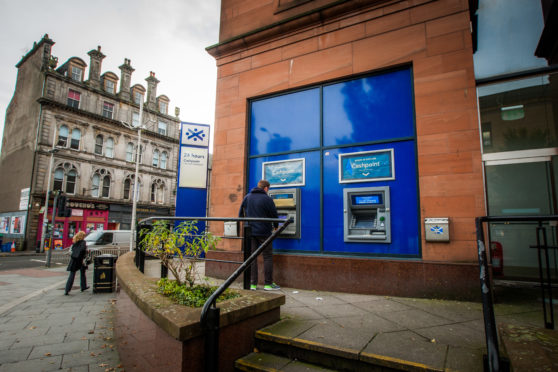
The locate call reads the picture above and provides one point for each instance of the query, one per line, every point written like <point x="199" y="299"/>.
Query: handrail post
<point x="211" y="331"/>
<point x="247" y="249"/>
<point x="487" y="304"/>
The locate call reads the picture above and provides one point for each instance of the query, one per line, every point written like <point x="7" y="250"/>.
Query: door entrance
<point x="521" y="186"/>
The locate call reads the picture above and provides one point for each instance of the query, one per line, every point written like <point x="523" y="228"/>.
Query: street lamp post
<point x="136" y="180"/>
<point x="45" y="219"/>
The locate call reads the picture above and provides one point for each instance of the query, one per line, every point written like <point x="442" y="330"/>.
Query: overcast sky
<point x="167" y="37"/>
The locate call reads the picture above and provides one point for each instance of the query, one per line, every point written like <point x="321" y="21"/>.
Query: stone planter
<point x="153" y="333"/>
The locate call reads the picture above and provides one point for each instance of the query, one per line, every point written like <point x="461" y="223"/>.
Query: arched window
<point x="58" y="179"/>
<point x="129" y="188"/>
<point x="164" y="160"/>
<point x="100" y="183"/>
<point x="63" y="136"/>
<point x="99" y="145"/>
<point x="95" y="181"/>
<point x="65" y="178"/>
<point x="156" y="158"/>
<point x="130" y="152"/>
<point x="158" y="191"/>
<point x="109" y="148"/>
<point x="76" y="138"/>
<point x="140" y="154"/>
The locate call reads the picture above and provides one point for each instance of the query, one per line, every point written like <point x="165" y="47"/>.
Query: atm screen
<point x="283" y="216"/>
<point x="373" y="199"/>
<point x="282" y="196"/>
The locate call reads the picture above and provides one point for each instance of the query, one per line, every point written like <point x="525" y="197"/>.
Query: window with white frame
<point x="108" y="109"/>
<point x="163" y="107"/>
<point x="100" y="184"/>
<point x="135" y="119"/>
<point x="99" y="144"/>
<point x="164" y="157"/>
<point x="77" y="73"/>
<point x="63" y="136"/>
<point x="110" y="86"/>
<point x="73" y="98"/>
<point x="130" y="152"/>
<point x="156" y="158"/>
<point x="109" y="147"/>
<point x="76" y="138"/>
<point x="138" y="97"/>
<point x="162" y="128"/>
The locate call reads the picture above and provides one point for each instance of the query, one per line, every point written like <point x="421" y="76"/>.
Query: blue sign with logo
<point x="284" y="172"/>
<point x="366" y="166"/>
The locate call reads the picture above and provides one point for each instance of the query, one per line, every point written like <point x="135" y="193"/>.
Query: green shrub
<point x="194" y="296"/>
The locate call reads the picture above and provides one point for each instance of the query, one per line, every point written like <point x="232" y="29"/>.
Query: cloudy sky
<point x="168" y="37"/>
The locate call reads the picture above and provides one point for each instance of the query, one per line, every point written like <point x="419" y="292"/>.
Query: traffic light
<point x="61" y="209"/>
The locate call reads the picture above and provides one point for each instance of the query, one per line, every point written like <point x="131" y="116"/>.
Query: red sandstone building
<point x="315" y="88"/>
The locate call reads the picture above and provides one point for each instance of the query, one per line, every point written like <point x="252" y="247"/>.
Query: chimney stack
<point x="125" y="77"/>
<point x="152" y="91"/>
<point x="95" y="67"/>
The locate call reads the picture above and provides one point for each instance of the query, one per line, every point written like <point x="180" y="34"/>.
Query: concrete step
<point x="265" y="362"/>
<point x="332" y="357"/>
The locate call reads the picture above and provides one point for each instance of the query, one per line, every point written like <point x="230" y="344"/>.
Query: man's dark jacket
<point x="258" y="204"/>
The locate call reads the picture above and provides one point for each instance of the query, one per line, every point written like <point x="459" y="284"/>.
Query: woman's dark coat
<point x="79" y="250"/>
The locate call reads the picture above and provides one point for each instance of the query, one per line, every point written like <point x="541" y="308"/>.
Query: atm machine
<point x="366" y="215"/>
<point x="287" y="202"/>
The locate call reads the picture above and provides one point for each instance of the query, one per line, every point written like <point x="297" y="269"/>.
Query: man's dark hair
<point x="262" y="184"/>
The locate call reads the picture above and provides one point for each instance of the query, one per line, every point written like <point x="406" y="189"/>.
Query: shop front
<point x="86" y="216"/>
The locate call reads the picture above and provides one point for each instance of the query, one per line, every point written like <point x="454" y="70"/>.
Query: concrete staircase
<point x="278" y="353"/>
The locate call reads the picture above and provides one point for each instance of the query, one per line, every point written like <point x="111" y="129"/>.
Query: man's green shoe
<point x="253" y="287"/>
<point x="271" y="287"/>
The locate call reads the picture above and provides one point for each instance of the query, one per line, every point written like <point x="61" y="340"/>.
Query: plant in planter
<point x="178" y="247"/>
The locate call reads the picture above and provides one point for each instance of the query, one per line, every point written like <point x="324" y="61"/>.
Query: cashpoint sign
<point x="366" y="166"/>
<point x="284" y="172"/>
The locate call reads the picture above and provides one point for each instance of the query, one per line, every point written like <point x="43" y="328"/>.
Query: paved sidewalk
<point x="43" y="330"/>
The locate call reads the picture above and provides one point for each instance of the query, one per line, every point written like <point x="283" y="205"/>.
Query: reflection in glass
<point x="519" y="115"/>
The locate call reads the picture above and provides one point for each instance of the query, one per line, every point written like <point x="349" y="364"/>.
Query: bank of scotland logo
<point x="195" y="134"/>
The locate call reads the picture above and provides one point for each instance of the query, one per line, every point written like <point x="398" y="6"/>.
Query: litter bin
<point x="104" y="274"/>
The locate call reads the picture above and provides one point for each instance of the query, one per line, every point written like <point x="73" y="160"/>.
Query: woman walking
<point x="78" y="253"/>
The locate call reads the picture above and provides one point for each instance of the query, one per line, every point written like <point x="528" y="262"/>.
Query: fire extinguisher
<point x="497" y="258"/>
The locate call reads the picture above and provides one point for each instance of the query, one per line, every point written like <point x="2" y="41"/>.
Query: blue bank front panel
<point x="368" y="115"/>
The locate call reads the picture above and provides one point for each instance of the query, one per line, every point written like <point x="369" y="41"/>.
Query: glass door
<point x="523" y="186"/>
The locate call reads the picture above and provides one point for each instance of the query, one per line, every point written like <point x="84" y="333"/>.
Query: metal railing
<point x="63" y="256"/>
<point x="494" y="362"/>
<point x="209" y="318"/>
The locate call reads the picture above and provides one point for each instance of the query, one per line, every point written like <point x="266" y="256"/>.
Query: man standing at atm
<point x="258" y="204"/>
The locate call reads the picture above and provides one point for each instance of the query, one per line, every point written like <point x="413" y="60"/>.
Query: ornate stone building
<point x="85" y="126"/>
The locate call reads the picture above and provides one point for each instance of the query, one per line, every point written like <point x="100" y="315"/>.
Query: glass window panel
<point x="99" y="145"/>
<point x="95" y="185"/>
<point x="156" y="158"/>
<point x="58" y="179"/>
<point x="71" y="182"/>
<point x="162" y="128"/>
<point x="76" y="73"/>
<point x="109" y="86"/>
<point x="508" y="34"/>
<point x="109" y="148"/>
<point x="369" y="109"/>
<point x="63" y="136"/>
<point x="76" y="137"/>
<point x="130" y="152"/>
<point x="73" y="98"/>
<point x="520" y="114"/>
<point x="106" y="187"/>
<point x="108" y="109"/>
<point x="127" y="189"/>
<point x="285" y="123"/>
<point x="153" y="187"/>
<point x="135" y="119"/>
<point x="163" y="160"/>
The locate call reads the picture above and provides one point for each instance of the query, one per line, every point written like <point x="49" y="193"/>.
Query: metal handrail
<point x="209" y="318"/>
<point x="494" y="360"/>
